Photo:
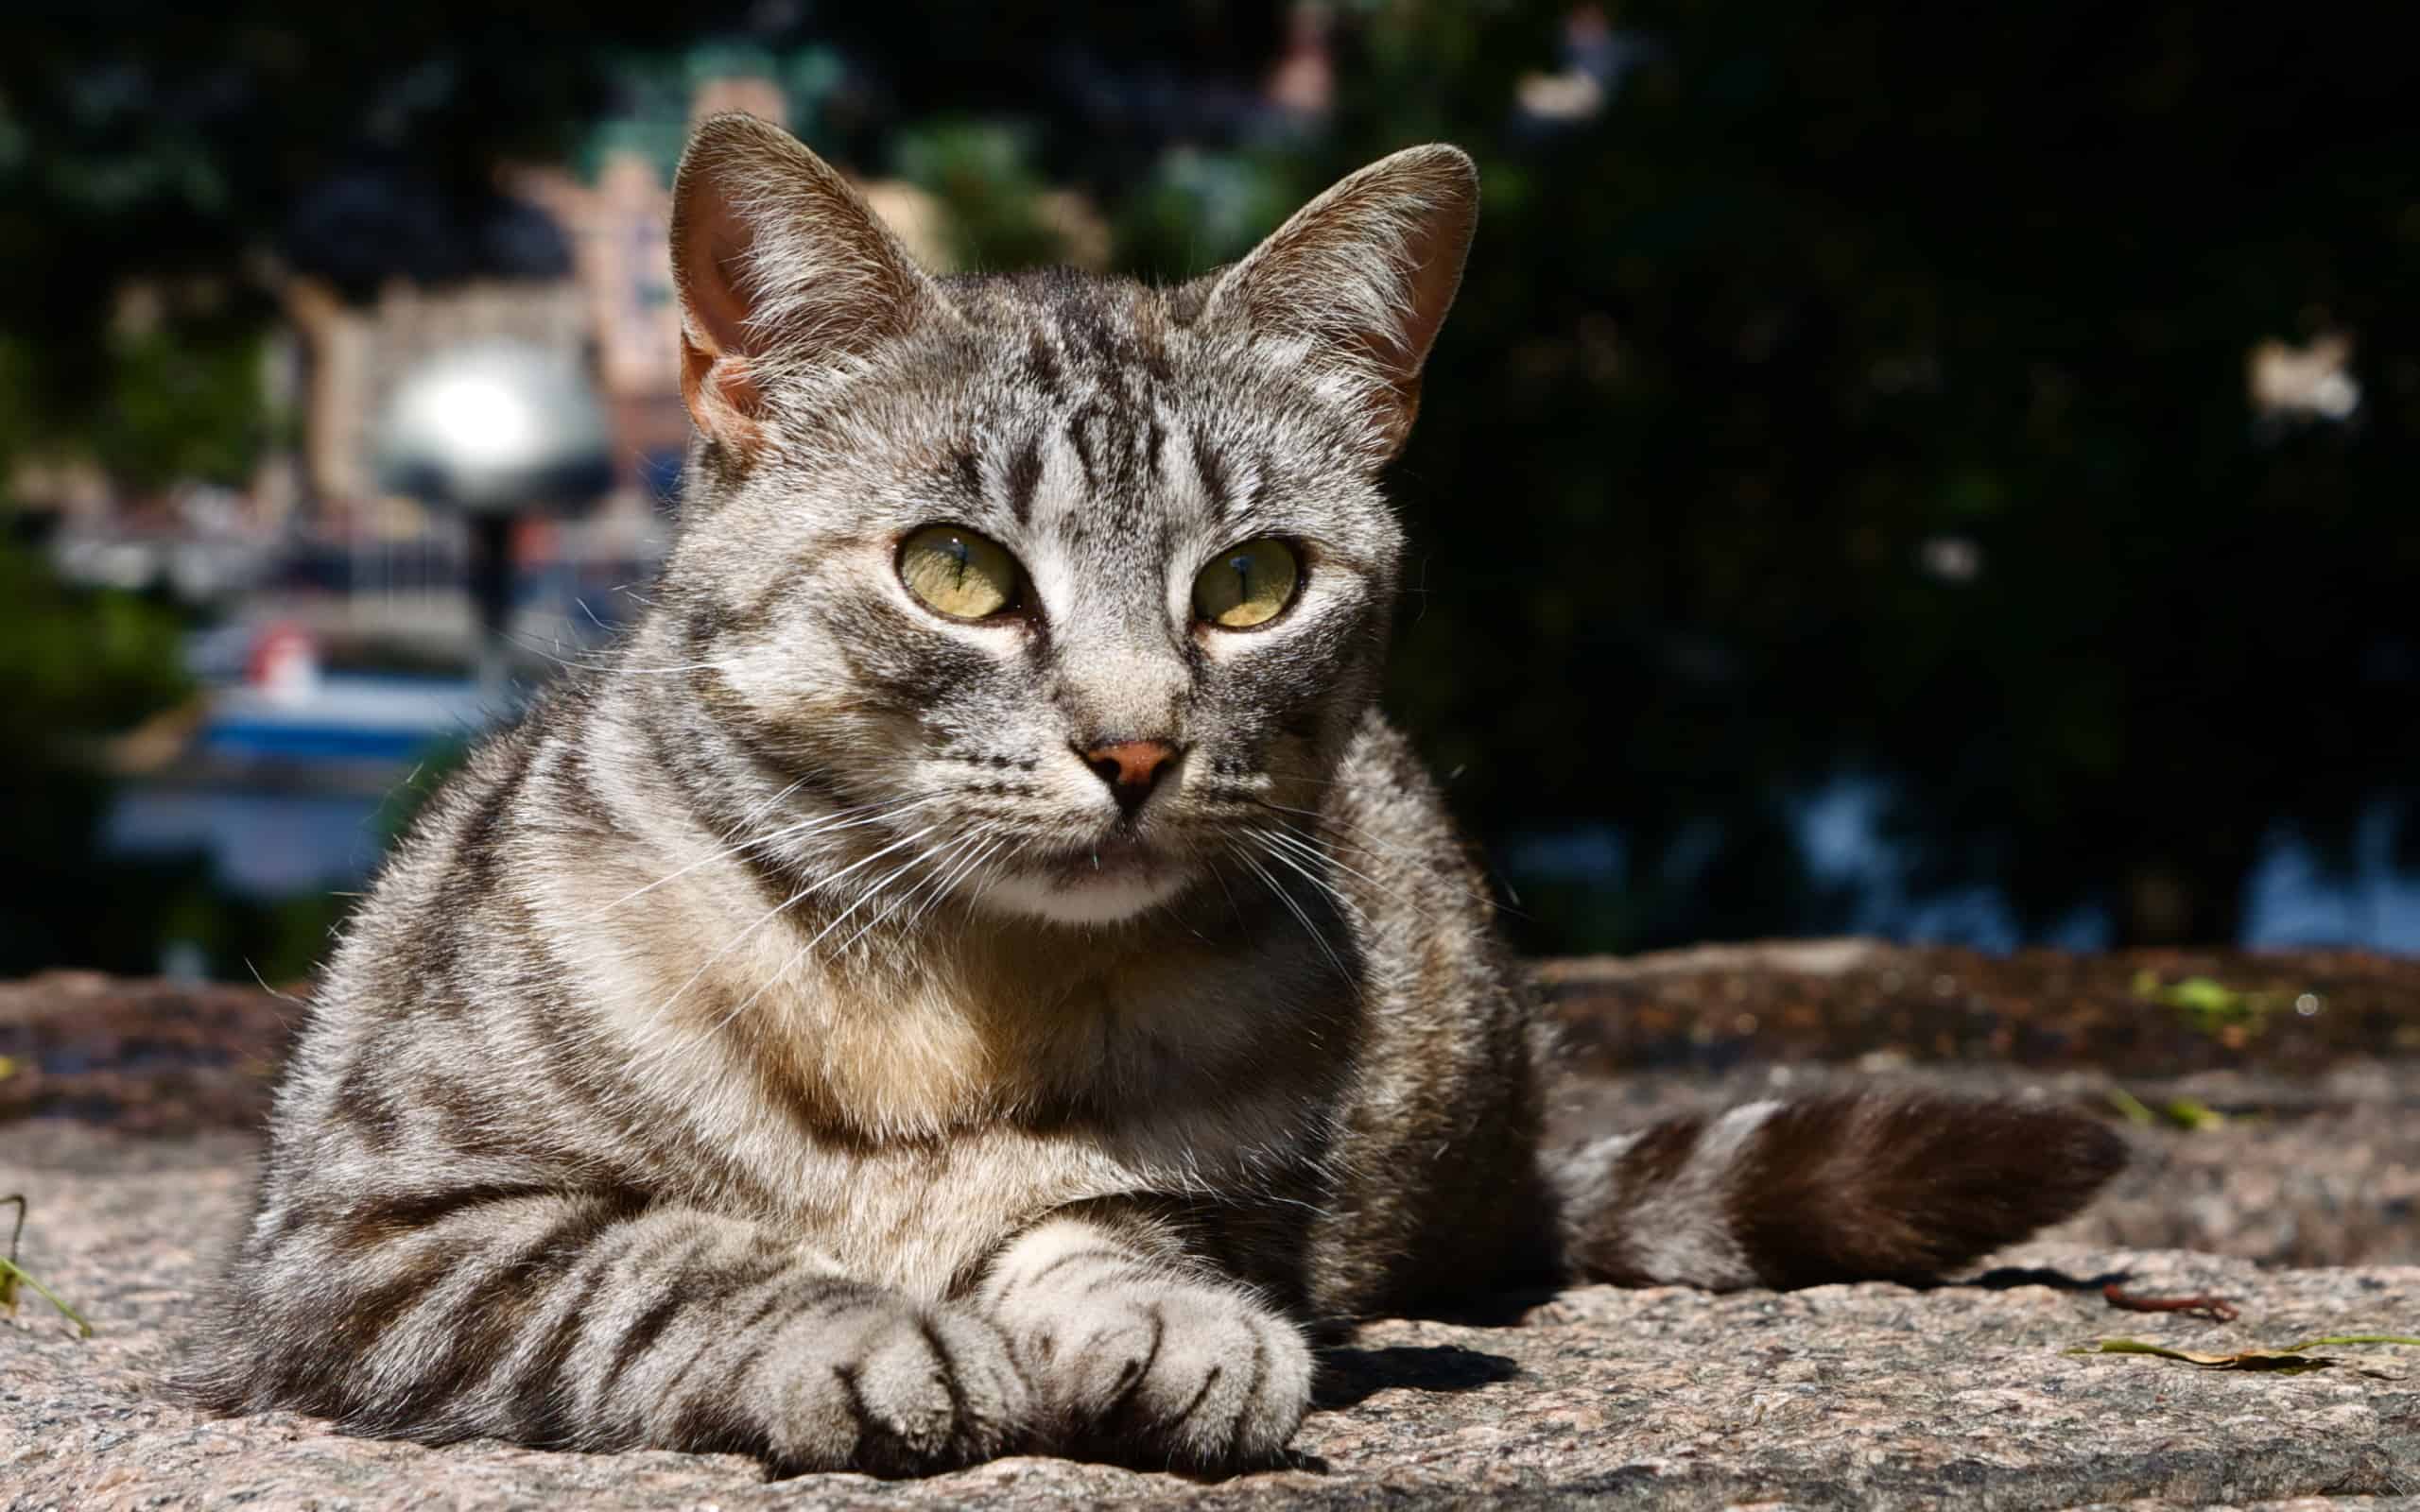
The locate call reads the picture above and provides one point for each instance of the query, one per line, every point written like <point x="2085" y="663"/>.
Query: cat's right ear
<point x="784" y="273"/>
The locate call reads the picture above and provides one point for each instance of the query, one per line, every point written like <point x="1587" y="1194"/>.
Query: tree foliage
<point x="1823" y="292"/>
<point x="74" y="667"/>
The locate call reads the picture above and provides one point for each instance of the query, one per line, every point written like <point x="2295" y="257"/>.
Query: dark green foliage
<point x="1823" y="286"/>
<point x="184" y="402"/>
<point x="74" y="667"/>
<point x="985" y="183"/>
<point x="163" y="141"/>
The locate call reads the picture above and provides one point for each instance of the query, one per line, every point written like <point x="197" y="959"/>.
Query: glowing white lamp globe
<point x="496" y="427"/>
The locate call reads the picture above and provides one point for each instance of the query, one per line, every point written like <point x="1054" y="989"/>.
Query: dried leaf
<point x="2293" y="1359"/>
<point x="2280" y="1360"/>
<point x="2217" y="1309"/>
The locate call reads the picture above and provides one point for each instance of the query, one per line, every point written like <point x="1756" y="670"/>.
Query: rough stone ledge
<point x="1868" y="1396"/>
<point x="1862" y="1396"/>
<point x="165" y="1057"/>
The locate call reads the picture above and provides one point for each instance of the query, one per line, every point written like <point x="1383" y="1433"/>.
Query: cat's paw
<point x="898" y="1389"/>
<point x="1167" y="1373"/>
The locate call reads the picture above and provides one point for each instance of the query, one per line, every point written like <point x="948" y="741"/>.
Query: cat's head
<point x="1053" y="579"/>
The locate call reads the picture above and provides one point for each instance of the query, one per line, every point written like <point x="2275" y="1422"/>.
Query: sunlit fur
<point x="782" y="1041"/>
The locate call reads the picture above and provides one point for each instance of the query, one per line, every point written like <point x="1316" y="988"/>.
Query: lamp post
<point x="495" y="431"/>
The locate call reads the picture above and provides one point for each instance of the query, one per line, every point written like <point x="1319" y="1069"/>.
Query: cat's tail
<point x="1866" y="1187"/>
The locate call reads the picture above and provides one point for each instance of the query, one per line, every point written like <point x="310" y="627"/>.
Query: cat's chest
<point x="910" y="1137"/>
<point x="1170" y="1053"/>
<point x="924" y="1215"/>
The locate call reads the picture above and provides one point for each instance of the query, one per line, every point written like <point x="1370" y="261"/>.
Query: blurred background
<point x="1943" y="475"/>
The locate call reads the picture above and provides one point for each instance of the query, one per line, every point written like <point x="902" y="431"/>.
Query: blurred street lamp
<point x="495" y="431"/>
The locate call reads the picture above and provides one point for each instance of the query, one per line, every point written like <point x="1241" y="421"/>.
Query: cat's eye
<point x="958" y="572"/>
<point x="1247" y="585"/>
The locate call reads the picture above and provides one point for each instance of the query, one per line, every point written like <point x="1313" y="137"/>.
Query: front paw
<point x="899" y="1389"/>
<point x="1167" y="1373"/>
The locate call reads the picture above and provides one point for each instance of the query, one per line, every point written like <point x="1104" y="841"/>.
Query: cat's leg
<point x="594" y="1321"/>
<point x="1138" y="1353"/>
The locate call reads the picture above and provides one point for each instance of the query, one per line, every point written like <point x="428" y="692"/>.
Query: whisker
<point x="857" y="817"/>
<point x="1378" y="851"/>
<point x="1305" y="846"/>
<point x="1327" y="887"/>
<point x="946" y="848"/>
<point x="794" y="900"/>
<point x="782" y="973"/>
<point x="957" y="875"/>
<point x="1295" y="907"/>
<point x="866" y="896"/>
<point x="764" y="806"/>
<point x="605" y="662"/>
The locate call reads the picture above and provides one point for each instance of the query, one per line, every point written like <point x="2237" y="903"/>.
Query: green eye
<point x="1247" y="585"/>
<point x="958" y="572"/>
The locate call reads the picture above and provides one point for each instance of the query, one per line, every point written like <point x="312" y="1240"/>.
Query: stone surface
<point x="1872" y="1396"/>
<point x="2127" y="1013"/>
<point x="164" y="1056"/>
<point x="1865" y="1396"/>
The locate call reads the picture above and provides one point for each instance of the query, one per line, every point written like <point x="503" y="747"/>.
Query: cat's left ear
<point x="1363" y="276"/>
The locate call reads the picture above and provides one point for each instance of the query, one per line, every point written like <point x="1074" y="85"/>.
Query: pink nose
<point x="1131" y="768"/>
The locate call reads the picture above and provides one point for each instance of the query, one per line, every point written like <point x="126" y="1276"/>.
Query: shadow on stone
<point x="2009" y="1277"/>
<point x="1349" y="1377"/>
<point x="1493" y="1310"/>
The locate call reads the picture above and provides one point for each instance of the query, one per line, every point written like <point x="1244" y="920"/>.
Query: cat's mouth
<point x="1118" y="876"/>
<point x="1115" y="857"/>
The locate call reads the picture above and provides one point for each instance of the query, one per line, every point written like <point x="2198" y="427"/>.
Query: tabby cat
<point x="972" y="972"/>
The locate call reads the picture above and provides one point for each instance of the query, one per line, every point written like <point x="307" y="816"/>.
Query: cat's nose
<point x="1131" y="768"/>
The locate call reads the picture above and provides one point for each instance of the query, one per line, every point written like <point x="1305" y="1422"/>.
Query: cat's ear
<point x="1362" y="275"/>
<point x="784" y="271"/>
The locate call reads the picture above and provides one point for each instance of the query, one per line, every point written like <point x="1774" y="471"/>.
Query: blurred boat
<point x="289" y="778"/>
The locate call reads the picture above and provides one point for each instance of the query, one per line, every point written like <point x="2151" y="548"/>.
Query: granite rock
<point x="1864" y="1396"/>
<point x="128" y="1111"/>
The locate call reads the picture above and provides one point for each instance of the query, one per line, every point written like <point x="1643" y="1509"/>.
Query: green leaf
<point x="2186" y="1112"/>
<point x="2202" y="994"/>
<point x="11" y="1273"/>
<point x="2132" y="1108"/>
<point x="2211" y="1004"/>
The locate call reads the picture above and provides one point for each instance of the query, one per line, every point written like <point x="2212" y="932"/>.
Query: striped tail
<point x="1867" y="1187"/>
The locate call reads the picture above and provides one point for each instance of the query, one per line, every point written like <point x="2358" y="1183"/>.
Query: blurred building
<point x="381" y="278"/>
<point x="355" y="355"/>
<point x="613" y="308"/>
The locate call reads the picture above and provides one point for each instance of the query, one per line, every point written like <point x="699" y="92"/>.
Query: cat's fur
<point x="779" y="1041"/>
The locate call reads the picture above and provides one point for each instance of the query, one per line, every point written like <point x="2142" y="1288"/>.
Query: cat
<point x="972" y="971"/>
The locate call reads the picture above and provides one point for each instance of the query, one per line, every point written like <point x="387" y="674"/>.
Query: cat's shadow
<point x="1349" y="1376"/>
<point x="2009" y="1277"/>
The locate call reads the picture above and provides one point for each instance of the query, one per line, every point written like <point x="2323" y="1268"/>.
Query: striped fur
<point x="782" y="1041"/>
<point x="1840" y="1189"/>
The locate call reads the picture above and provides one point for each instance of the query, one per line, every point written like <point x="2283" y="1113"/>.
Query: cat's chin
<point x="1081" y="894"/>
